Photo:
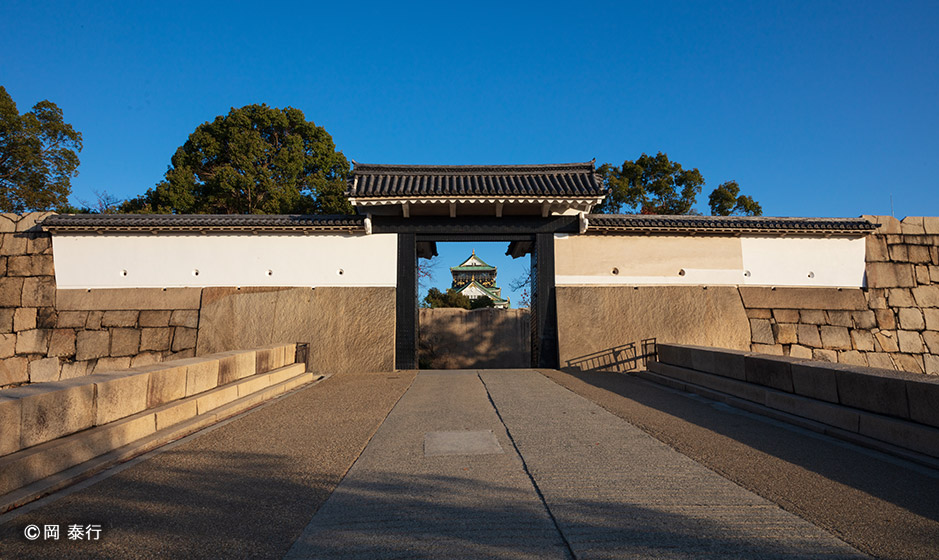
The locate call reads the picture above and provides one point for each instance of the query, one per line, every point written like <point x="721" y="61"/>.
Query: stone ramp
<point x="573" y="481"/>
<point x="398" y="502"/>
<point x="617" y="492"/>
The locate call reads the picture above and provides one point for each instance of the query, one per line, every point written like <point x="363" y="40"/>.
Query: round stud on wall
<point x="270" y="273"/>
<point x="615" y="271"/>
<point x="811" y="274"/>
<point x="746" y="273"/>
<point x="340" y="272"/>
<point x="195" y="272"/>
<point x="681" y="272"/>
<point x="123" y="273"/>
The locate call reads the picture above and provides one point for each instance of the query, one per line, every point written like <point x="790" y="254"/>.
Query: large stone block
<point x="269" y="358"/>
<point x="770" y="372"/>
<point x="105" y="365"/>
<point x="900" y="297"/>
<point x="8" y="222"/>
<point x="912" y="363"/>
<point x="803" y="298"/>
<point x="348" y="329"/>
<point x="154" y="318"/>
<point x="852" y="358"/>
<point x="184" y="338"/>
<point x="931" y="225"/>
<point x="46" y="318"/>
<point x="761" y="331"/>
<point x="44" y="370"/>
<point x="899" y="253"/>
<point x="911" y="319"/>
<point x="39" y="244"/>
<point x="814" y="380"/>
<point x="832" y="415"/>
<point x="24" y="319"/>
<point x="919" y="254"/>
<point x="39" y="292"/>
<point x="35" y="341"/>
<point x="13" y="370"/>
<point x="7" y="345"/>
<point x="30" y="220"/>
<point x="923" y="398"/>
<point x="890" y="275"/>
<point x="235" y="365"/>
<point x="912" y="225"/>
<point x="932" y="319"/>
<point x="123" y="318"/>
<point x="876" y="248"/>
<point x="93" y="323"/>
<point x="814" y="317"/>
<point x="808" y="336"/>
<point x="862" y="340"/>
<point x="835" y="338"/>
<point x="879" y="360"/>
<point x="801" y="352"/>
<point x="786" y="315"/>
<point x="822" y="355"/>
<point x="201" y="374"/>
<point x="155" y="338"/>
<point x="888" y="224"/>
<point x="10" y="415"/>
<point x="120" y="395"/>
<point x="11" y="292"/>
<point x="840" y="318"/>
<point x="62" y="343"/>
<point x="70" y="370"/>
<point x="910" y="342"/>
<point x="72" y="319"/>
<point x="216" y="398"/>
<point x="13" y="244"/>
<point x="92" y="344"/>
<point x="185" y="318"/>
<point x="125" y="299"/>
<point x="865" y="319"/>
<point x="931" y="364"/>
<point x="676" y="355"/>
<point x="125" y="342"/>
<point x="886" y="319"/>
<point x="785" y="333"/>
<point x="873" y="390"/>
<point x="146" y="359"/>
<point x="52" y="410"/>
<point x="931" y="338"/>
<point x="6" y="319"/>
<point x="167" y="383"/>
<point x="926" y="296"/>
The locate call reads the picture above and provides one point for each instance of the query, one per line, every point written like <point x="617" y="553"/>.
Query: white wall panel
<point x="180" y="260"/>
<point x="760" y="261"/>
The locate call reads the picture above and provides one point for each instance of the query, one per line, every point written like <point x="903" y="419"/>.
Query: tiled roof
<point x="201" y="222"/>
<point x="652" y="223"/>
<point x="564" y="180"/>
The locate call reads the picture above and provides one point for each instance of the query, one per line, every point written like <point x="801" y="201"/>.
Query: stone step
<point x="35" y="472"/>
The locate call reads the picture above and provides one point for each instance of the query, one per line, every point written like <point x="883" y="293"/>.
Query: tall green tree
<point x="254" y="160"/>
<point x="657" y="185"/>
<point x="38" y="156"/>
<point x="726" y="200"/>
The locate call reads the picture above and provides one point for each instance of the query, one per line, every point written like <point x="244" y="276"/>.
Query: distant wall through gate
<point x="481" y="338"/>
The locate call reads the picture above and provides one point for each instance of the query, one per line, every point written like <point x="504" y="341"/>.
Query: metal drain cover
<point x="461" y="443"/>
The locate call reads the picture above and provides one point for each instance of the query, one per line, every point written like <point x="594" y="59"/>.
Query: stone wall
<point x="481" y="338"/>
<point x="48" y="334"/>
<point x="893" y="324"/>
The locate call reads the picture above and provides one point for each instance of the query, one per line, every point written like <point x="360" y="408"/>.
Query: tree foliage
<point x="657" y="185"/>
<point x="38" y="156"/>
<point x="254" y="160"/>
<point x="451" y="298"/>
<point x="726" y="200"/>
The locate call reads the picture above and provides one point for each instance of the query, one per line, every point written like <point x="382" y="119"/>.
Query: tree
<point x="656" y="185"/>
<point x="451" y="298"/>
<point x="254" y="160"/>
<point x="37" y="156"/>
<point x="724" y="201"/>
<point x="651" y="185"/>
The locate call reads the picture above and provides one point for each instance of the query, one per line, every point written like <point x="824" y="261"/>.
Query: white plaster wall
<point x="172" y="260"/>
<point x="760" y="261"/>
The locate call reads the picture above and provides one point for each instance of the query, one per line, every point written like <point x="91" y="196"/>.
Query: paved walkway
<point x="569" y="480"/>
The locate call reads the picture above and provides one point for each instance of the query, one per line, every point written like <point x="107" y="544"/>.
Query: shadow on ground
<point x="884" y="507"/>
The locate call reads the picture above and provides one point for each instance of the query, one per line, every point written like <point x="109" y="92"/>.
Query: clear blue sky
<point x="815" y="108"/>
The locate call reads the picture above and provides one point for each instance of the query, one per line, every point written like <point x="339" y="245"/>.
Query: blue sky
<point x="815" y="108"/>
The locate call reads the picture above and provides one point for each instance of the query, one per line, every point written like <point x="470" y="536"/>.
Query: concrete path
<point x="572" y="480"/>
<point x="242" y="490"/>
